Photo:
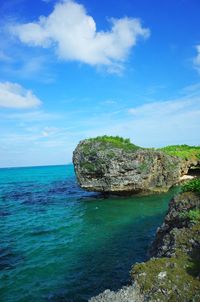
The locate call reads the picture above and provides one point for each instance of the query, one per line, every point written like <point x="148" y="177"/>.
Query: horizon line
<point x="36" y="166"/>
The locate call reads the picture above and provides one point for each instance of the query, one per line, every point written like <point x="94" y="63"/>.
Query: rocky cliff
<point x="117" y="166"/>
<point x="173" y="272"/>
<point x="177" y="224"/>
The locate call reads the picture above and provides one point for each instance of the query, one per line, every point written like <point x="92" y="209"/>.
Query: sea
<point x="59" y="243"/>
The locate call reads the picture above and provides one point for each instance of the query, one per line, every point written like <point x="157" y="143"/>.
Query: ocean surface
<point x="61" y="244"/>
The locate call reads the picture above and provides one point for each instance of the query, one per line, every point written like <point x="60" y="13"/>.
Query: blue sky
<point x="71" y="70"/>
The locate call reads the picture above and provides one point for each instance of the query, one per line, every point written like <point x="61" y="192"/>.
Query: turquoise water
<point x="59" y="243"/>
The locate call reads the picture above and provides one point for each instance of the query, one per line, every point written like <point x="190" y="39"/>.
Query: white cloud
<point x="175" y="121"/>
<point x="191" y="90"/>
<point x="160" y="108"/>
<point x="155" y="124"/>
<point x="73" y="34"/>
<point x="165" y="123"/>
<point x="13" y="95"/>
<point x="197" y="58"/>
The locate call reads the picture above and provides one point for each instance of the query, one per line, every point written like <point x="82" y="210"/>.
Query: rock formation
<point x="175" y="225"/>
<point x="173" y="273"/>
<point x="110" y="167"/>
<point x="126" y="294"/>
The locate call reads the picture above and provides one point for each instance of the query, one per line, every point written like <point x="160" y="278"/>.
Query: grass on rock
<point x="183" y="151"/>
<point x="191" y="185"/>
<point x="115" y="142"/>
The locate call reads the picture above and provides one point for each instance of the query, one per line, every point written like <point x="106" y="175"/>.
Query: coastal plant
<point x="163" y="277"/>
<point x="88" y="166"/>
<point x="144" y="167"/>
<point x="183" y="151"/>
<point x="110" y="155"/>
<point x="192" y="215"/>
<point x="115" y="142"/>
<point x="191" y="185"/>
<point x="176" y="276"/>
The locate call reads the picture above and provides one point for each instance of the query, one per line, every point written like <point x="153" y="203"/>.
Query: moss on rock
<point x="174" y="275"/>
<point x="168" y="279"/>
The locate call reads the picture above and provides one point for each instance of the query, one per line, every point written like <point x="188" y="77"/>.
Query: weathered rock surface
<point x="102" y="167"/>
<point x="126" y="294"/>
<point x="174" y="275"/>
<point x="175" y="226"/>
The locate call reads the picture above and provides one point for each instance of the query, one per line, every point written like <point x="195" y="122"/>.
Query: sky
<point x="71" y="70"/>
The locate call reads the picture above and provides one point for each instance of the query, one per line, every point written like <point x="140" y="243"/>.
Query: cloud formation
<point x="160" y="109"/>
<point x="38" y="137"/>
<point x="197" y="58"/>
<point x="73" y="35"/>
<point x="175" y="121"/>
<point x="13" y="95"/>
<point x="155" y="124"/>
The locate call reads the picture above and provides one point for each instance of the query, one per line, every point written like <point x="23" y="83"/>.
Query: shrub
<point x="115" y="141"/>
<point x="192" y="185"/>
<point x="192" y="215"/>
<point x="183" y="151"/>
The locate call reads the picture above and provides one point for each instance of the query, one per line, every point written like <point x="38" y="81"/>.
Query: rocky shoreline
<point x="113" y="165"/>
<point x="173" y="272"/>
<point x="126" y="294"/>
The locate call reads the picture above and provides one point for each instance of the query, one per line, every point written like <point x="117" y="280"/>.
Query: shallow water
<point x="59" y="243"/>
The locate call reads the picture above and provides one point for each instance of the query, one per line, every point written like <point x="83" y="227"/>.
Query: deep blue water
<point x="59" y="243"/>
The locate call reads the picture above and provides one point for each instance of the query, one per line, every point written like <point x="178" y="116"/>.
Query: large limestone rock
<point x="105" y="167"/>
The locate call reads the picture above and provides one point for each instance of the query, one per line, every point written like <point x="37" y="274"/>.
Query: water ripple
<point x="61" y="244"/>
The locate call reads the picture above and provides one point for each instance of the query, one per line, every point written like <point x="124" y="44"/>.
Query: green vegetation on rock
<point x="183" y="151"/>
<point x="191" y="185"/>
<point x="192" y="215"/>
<point x="115" y="141"/>
<point x="174" y="275"/>
<point x="113" y="164"/>
<point x="174" y="278"/>
<point x="88" y="166"/>
<point x="110" y="164"/>
<point x="143" y="167"/>
<point x="168" y="279"/>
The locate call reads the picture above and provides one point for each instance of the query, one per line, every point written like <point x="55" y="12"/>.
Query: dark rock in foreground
<point x="174" y="275"/>
<point x="127" y="169"/>
<point x="177" y="225"/>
